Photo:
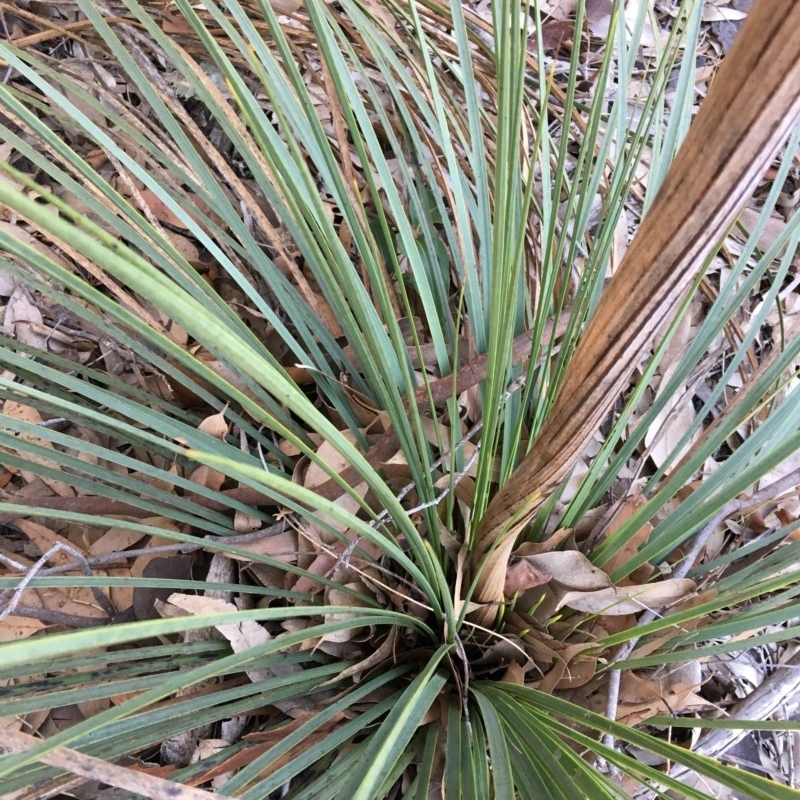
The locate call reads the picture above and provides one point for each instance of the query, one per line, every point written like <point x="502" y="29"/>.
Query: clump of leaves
<point x="325" y="298"/>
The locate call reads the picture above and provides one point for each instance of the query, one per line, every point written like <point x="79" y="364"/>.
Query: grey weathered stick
<point x="761" y="704"/>
<point x="106" y="772"/>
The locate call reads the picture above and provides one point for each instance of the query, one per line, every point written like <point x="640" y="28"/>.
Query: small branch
<point x="58" y="617"/>
<point x="82" y="563"/>
<point x="97" y="769"/>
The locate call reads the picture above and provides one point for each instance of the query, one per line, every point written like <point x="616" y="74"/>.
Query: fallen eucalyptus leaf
<point x="629" y="599"/>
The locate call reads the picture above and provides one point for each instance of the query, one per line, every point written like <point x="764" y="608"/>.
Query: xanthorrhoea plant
<point x="752" y="109"/>
<point x="396" y="206"/>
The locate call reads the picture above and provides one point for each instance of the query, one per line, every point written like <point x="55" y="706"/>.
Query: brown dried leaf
<point x="315" y="476"/>
<point x="514" y="674"/>
<point x="551" y="543"/>
<point x="16" y="410"/>
<point x="652" y="645"/>
<point x="632" y="543"/>
<point x="45" y="538"/>
<point x="184" y="245"/>
<point x="321" y="565"/>
<point x="245" y="523"/>
<point x="114" y="540"/>
<point x="570" y="568"/>
<point x="579" y="673"/>
<point x="121" y="596"/>
<point x="641" y="698"/>
<point x="209" y="477"/>
<point x="14" y="628"/>
<point x="522" y="575"/>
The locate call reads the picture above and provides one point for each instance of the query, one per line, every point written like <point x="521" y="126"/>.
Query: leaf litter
<point x="573" y="602"/>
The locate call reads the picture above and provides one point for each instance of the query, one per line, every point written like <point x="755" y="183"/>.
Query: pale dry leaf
<point x="222" y="569"/>
<point x="706" y="785"/>
<point x="748" y="219"/>
<point x="650" y="36"/>
<point x="790" y="502"/>
<point x="714" y="13"/>
<point x="571" y="569"/>
<point x="215" y="425"/>
<point x="668" y="428"/>
<point x="207" y="748"/>
<point x="558" y="9"/>
<point x="10" y="723"/>
<point x="242" y="635"/>
<point x="27" y="238"/>
<point x="618" y="600"/>
<point x="7" y="281"/>
<point x="573" y="483"/>
<point x="619" y="243"/>
<point x="338" y="597"/>
<point x="671" y="424"/>
<point x="678" y="344"/>
<point x="598" y="16"/>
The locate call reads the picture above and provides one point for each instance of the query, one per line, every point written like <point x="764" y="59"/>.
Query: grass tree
<point x="341" y="301"/>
